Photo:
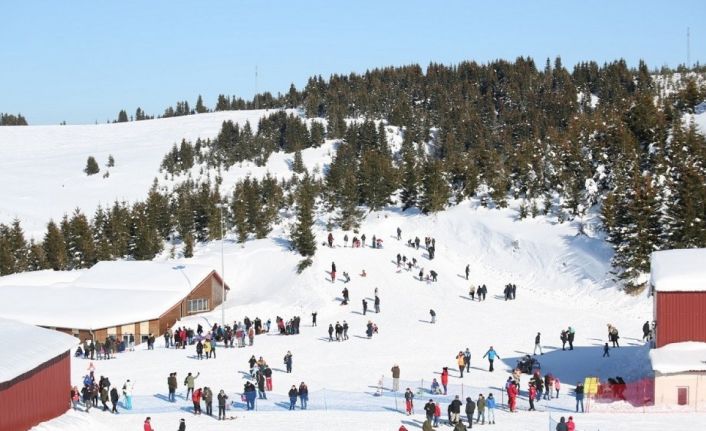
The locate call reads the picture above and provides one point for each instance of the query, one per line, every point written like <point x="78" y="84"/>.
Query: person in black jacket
<point x="222" y="398"/>
<point x="470" y="409"/>
<point x="429" y="409"/>
<point x="182" y="425"/>
<point x="455" y="409"/>
<point x="293" y="393"/>
<point x="114" y="398"/>
<point x="260" y="385"/>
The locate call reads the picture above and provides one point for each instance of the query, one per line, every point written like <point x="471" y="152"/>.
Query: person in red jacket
<point x="196" y="398"/>
<point x="532" y="395"/>
<point x="437" y="413"/>
<point x="445" y="378"/>
<point x="570" y="425"/>
<point x="512" y="396"/>
<point x="147" y="426"/>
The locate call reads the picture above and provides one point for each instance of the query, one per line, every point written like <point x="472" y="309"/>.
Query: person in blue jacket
<point x="490" y="404"/>
<point x="491" y="354"/>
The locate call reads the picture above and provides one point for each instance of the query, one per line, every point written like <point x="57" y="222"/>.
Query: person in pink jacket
<point x="557" y="386"/>
<point x="570" y="425"/>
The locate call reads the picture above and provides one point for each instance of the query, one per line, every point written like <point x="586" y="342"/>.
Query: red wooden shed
<point x="678" y="279"/>
<point x="35" y="377"/>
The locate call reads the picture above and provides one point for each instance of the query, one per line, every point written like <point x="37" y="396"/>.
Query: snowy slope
<point x="42" y="166"/>
<point x="562" y="281"/>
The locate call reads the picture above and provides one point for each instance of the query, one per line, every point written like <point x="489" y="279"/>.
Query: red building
<point x="35" y="375"/>
<point x="678" y="279"/>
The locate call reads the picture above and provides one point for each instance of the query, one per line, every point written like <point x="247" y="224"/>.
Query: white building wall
<point x="666" y="388"/>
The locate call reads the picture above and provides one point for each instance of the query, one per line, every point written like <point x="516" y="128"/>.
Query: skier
<point x="409" y="401"/>
<point x="537" y="344"/>
<point x="395" y="377"/>
<point x="333" y="272"/>
<point x="468" y="271"/>
<point x="433" y="316"/>
<point x="491" y="354"/>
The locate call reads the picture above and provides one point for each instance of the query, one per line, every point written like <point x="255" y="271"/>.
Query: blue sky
<point x="83" y="61"/>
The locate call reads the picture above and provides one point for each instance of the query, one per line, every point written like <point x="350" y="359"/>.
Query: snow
<point x="108" y="294"/>
<point x="28" y="347"/>
<point x="54" y="158"/>
<point x="679" y="357"/>
<point x="680" y="270"/>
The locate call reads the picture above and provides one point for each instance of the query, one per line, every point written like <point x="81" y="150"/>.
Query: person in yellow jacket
<point x="461" y="361"/>
<point x="207" y="348"/>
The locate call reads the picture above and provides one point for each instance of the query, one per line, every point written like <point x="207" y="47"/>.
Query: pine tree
<point x="122" y="116"/>
<point x="36" y="259"/>
<point x="200" y="109"/>
<point x="189" y="245"/>
<point x="298" y="163"/>
<point x="303" y="238"/>
<point x="91" y="166"/>
<point x="82" y="252"/>
<point x="239" y="214"/>
<point x="435" y="189"/>
<point x="55" y="247"/>
<point x="410" y="177"/>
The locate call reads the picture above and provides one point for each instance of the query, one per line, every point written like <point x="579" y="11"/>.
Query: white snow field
<point x="563" y="279"/>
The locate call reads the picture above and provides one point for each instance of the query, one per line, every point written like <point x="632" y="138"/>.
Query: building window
<point x="683" y="395"/>
<point x="197" y="305"/>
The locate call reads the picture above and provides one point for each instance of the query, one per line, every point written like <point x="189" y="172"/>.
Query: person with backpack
<point x="222" y="398"/>
<point x="409" y="401"/>
<point x="491" y="354"/>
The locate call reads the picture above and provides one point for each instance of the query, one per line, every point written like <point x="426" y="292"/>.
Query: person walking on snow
<point x="377" y="304"/>
<point x="333" y="272"/>
<point x="365" y="307"/>
<point x="468" y="271"/>
<point x="172" y="385"/>
<point x="399" y="234"/>
<point x="313" y="319"/>
<point x="288" y="361"/>
<point x="433" y="316"/>
<point x="537" y="344"/>
<point x="491" y="354"/>
<point x="557" y="386"/>
<point x="570" y="337"/>
<point x="330" y="240"/>
<point x="605" y="350"/>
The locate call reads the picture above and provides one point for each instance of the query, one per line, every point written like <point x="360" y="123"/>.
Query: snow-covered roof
<point x="29" y="346"/>
<point x="681" y="270"/>
<point x="108" y="294"/>
<point x="679" y="357"/>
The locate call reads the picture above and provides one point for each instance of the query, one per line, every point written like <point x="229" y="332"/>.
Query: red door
<point x="683" y="396"/>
